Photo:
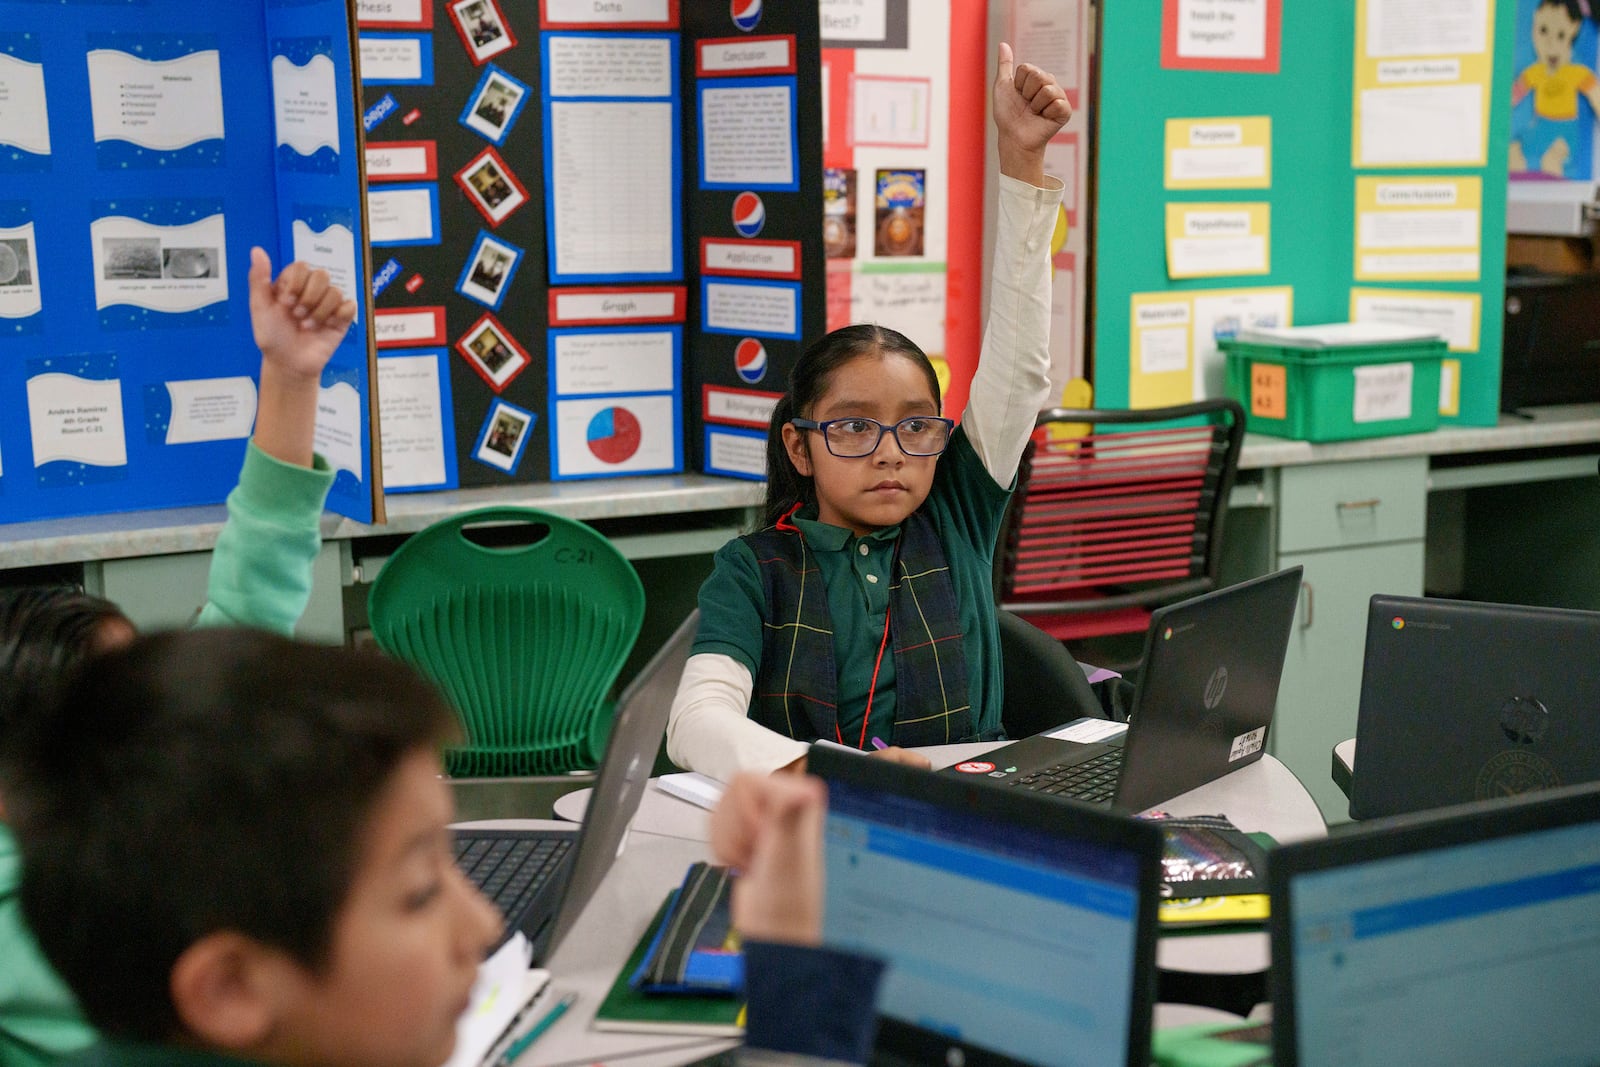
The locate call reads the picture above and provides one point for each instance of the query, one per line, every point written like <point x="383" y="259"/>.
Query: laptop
<point x="1206" y="693"/>
<point x="542" y="879"/>
<point x="1463" y="701"/>
<point x="1015" y="930"/>
<point x="1467" y="935"/>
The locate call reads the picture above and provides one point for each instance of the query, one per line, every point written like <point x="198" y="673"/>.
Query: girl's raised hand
<point x="1029" y="109"/>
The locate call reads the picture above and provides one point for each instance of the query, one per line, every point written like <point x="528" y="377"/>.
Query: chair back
<point x="1127" y="515"/>
<point x="523" y="619"/>
<point x="1044" y="686"/>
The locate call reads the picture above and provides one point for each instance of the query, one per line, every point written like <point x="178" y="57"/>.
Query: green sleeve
<point x="732" y="607"/>
<point x="261" y="567"/>
<point x="39" y="1020"/>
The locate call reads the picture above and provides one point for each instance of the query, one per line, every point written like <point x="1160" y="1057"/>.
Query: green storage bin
<point x="1294" y="384"/>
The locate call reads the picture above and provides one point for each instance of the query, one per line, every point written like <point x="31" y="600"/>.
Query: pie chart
<point x="613" y="435"/>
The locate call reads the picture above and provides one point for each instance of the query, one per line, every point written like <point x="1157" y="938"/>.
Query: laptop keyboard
<point x="510" y="870"/>
<point x="1093" y="780"/>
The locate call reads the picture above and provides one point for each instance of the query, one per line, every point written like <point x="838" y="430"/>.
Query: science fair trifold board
<point x="592" y="224"/>
<point x="145" y="146"/>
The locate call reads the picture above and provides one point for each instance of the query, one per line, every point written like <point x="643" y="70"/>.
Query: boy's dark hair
<point x="44" y="631"/>
<point x="809" y="380"/>
<point x="196" y="782"/>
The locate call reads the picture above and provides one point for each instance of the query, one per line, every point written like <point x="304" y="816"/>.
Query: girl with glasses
<point x="863" y="612"/>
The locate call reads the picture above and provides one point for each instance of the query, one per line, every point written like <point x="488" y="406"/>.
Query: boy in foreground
<point x="236" y="848"/>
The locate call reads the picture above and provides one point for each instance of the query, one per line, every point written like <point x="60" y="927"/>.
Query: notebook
<point x="1467" y="935"/>
<point x="1463" y="701"/>
<point x="542" y="879"/>
<point x="1015" y="929"/>
<point x="1205" y="697"/>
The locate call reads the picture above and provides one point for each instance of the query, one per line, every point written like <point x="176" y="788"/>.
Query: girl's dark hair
<point x="44" y="631"/>
<point x="809" y="380"/>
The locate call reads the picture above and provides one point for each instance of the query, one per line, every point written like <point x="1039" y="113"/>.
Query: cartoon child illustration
<point x="1547" y="141"/>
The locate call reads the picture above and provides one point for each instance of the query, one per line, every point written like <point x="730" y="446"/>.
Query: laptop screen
<point x="1012" y="940"/>
<point x="1479" y="952"/>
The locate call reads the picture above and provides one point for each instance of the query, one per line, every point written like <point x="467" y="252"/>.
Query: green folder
<point x="625" y="1008"/>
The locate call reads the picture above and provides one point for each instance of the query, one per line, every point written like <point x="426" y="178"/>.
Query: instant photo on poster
<point x="491" y="187"/>
<point x="496" y="101"/>
<point x="488" y="271"/>
<point x="504" y="436"/>
<point x="483" y="28"/>
<point x="493" y="353"/>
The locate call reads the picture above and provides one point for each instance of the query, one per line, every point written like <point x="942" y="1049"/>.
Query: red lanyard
<point x="872" y="689"/>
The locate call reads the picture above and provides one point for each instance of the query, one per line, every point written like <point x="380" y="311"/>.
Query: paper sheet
<point x="157" y="104"/>
<point x="1219" y="153"/>
<point x="338" y="432"/>
<point x="305" y="104"/>
<point x="19" y="273"/>
<point x="76" y="419"/>
<point x="611" y="171"/>
<point x="609" y="66"/>
<point x="616" y="435"/>
<point x="747" y="135"/>
<point x="24" y="120"/>
<point x="614" y="361"/>
<point x="505" y="990"/>
<point x="411" y="421"/>
<point x="211" y="409"/>
<point x="332" y="250"/>
<point x="160" y="268"/>
<point x="1453" y="316"/>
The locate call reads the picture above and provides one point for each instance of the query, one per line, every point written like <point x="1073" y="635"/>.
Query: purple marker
<point x="877" y="742"/>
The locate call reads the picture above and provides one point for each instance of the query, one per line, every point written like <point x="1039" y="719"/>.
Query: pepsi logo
<point x="746" y="13"/>
<point x="749" y="214"/>
<point x="750" y="360"/>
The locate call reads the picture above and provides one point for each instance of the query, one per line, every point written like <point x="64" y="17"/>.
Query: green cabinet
<point x="1358" y="528"/>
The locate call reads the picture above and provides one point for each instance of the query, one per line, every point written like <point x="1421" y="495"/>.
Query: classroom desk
<point x="616" y="917"/>
<point x="1264" y="797"/>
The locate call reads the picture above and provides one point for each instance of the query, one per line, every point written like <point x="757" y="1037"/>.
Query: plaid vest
<point x="796" y="689"/>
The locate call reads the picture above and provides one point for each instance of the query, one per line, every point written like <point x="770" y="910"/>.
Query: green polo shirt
<point x="110" y="1053"/>
<point x="966" y="507"/>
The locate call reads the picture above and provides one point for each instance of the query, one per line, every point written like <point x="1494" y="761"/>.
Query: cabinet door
<point x="1321" y="686"/>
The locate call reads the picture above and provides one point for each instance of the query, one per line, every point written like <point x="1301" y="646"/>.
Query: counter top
<point x="1568" y="424"/>
<point x="195" y="529"/>
<point x="155" y="533"/>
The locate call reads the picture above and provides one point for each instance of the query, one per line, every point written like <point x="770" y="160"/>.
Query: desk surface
<point x="1264" y="797"/>
<point x="154" y="533"/>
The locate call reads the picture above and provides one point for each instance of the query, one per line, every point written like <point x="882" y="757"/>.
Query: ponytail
<point x="786" y="486"/>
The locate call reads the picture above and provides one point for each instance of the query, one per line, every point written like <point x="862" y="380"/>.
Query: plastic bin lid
<point x="1339" y="335"/>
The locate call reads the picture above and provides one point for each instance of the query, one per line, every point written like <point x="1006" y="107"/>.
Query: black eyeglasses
<point x="920" y="435"/>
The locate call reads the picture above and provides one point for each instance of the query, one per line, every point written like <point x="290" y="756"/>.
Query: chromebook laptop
<point x="542" y="879"/>
<point x="1016" y="930"/>
<point x="1466" y="935"/>
<point x="1464" y="701"/>
<point x="1207" y="688"/>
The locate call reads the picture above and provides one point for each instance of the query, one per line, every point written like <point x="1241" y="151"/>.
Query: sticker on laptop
<point x="976" y="766"/>
<point x="1247" y="744"/>
<point x="1088" y="731"/>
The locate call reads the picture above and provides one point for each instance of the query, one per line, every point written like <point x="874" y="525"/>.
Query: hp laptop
<point x="1016" y="930"/>
<point x="1206" y="693"/>
<point x="541" y="879"/>
<point x="1468" y="935"/>
<point x="1463" y="701"/>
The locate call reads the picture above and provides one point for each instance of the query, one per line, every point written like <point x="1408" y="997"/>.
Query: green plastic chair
<point x="524" y="627"/>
